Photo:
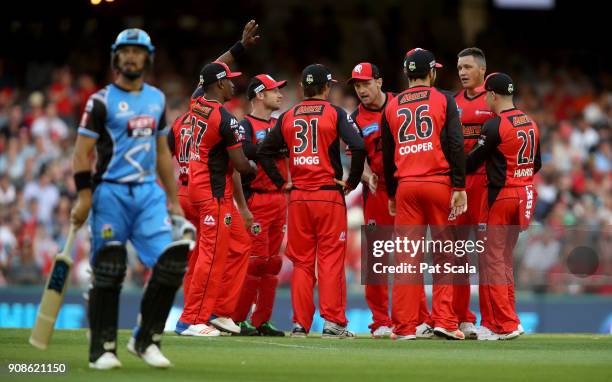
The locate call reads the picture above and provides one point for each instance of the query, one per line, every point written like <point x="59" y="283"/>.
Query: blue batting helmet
<point x="133" y="36"/>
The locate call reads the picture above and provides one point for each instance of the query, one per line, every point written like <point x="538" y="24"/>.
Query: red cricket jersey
<point x="474" y="112"/>
<point x="368" y="121"/>
<point x="311" y="131"/>
<point x="213" y="131"/>
<point x="422" y="139"/>
<point x="510" y="145"/>
<point x="255" y="130"/>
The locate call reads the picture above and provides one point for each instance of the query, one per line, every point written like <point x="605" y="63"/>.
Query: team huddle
<point x="424" y="157"/>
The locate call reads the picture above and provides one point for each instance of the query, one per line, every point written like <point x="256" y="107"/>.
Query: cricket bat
<point x="53" y="295"/>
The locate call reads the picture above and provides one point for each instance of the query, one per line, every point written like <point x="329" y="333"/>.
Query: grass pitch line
<point x="286" y="345"/>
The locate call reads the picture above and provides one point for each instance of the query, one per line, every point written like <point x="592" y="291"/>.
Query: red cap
<point x="263" y="82"/>
<point x="228" y="72"/>
<point x="364" y="71"/>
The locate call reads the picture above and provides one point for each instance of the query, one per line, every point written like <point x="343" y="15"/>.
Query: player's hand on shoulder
<point x="249" y="34"/>
<point x="80" y="210"/>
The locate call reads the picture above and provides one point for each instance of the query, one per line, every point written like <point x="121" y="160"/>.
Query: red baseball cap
<point x="364" y="71"/>
<point x="216" y="71"/>
<point x="263" y="82"/>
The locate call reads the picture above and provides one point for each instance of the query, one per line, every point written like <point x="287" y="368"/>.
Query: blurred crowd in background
<point x="41" y="104"/>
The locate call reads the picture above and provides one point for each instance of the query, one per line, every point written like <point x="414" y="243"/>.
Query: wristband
<point x="82" y="180"/>
<point x="237" y="50"/>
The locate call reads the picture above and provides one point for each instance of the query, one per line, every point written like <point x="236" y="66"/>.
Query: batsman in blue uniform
<point x="125" y="124"/>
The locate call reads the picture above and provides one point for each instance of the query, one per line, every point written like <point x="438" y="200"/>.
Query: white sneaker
<point x="469" y="329"/>
<point x="509" y="336"/>
<point x="226" y="324"/>
<point x="152" y="355"/>
<point x="200" y="330"/>
<point x="333" y="330"/>
<point x="424" y="331"/>
<point x="398" y="337"/>
<point x="520" y="329"/>
<point x="449" y="334"/>
<point x="106" y="361"/>
<point x="485" y="334"/>
<point x="382" y="331"/>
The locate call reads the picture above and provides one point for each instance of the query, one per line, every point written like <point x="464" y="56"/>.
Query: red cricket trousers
<point x="207" y="265"/>
<point x="316" y="237"/>
<point x="497" y="299"/>
<point x="419" y="204"/>
<point x="236" y="267"/>
<point x="376" y="211"/>
<point x="264" y="261"/>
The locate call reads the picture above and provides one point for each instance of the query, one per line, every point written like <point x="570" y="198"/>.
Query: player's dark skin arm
<point x="249" y="38"/>
<point x="486" y="145"/>
<point x="81" y="161"/>
<point x="269" y="150"/>
<point x="240" y="162"/>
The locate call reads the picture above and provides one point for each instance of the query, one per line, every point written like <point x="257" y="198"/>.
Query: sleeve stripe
<point x="88" y="133"/>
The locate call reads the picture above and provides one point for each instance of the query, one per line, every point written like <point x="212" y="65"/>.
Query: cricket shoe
<point x="520" y="329"/>
<point x="199" y="330"/>
<point x="382" y="331"/>
<point x="424" y="331"/>
<point x="152" y="355"/>
<point x="269" y="330"/>
<point x="333" y="330"/>
<point x="486" y="334"/>
<point x="225" y="324"/>
<point x="469" y="329"/>
<point x="246" y="329"/>
<point x="490" y="336"/>
<point x="403" y="337"/>
<point x="298" y="331"/>
<point x="106" y="361"/>
<point x="449" y="334"/>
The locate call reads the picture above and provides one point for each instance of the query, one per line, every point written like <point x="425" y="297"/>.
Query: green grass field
<point x="550" y="358"/>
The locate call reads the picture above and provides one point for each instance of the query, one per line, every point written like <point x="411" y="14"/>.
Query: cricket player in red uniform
<point x="269" y="208"/>
<point x="216" y="138"/>
<point x="474" y="112"/>
<point x="179" y="142"/>
<point x="316" y="229"/>
<point x="424" y="168"/>
<point x="510" y="146"/>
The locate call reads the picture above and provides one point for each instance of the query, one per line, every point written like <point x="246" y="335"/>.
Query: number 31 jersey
<point x="126" y="126"/>
<point x="311" y="130"/>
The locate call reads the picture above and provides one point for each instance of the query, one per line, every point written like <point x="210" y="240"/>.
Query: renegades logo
<point x="256" y="229"/>
<point x="414" y="97"/>
<point x="228" y="219"/>
<point x="520" y="120"/>
<point x="309" y="110"/>
<point x="141" y="126"/>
